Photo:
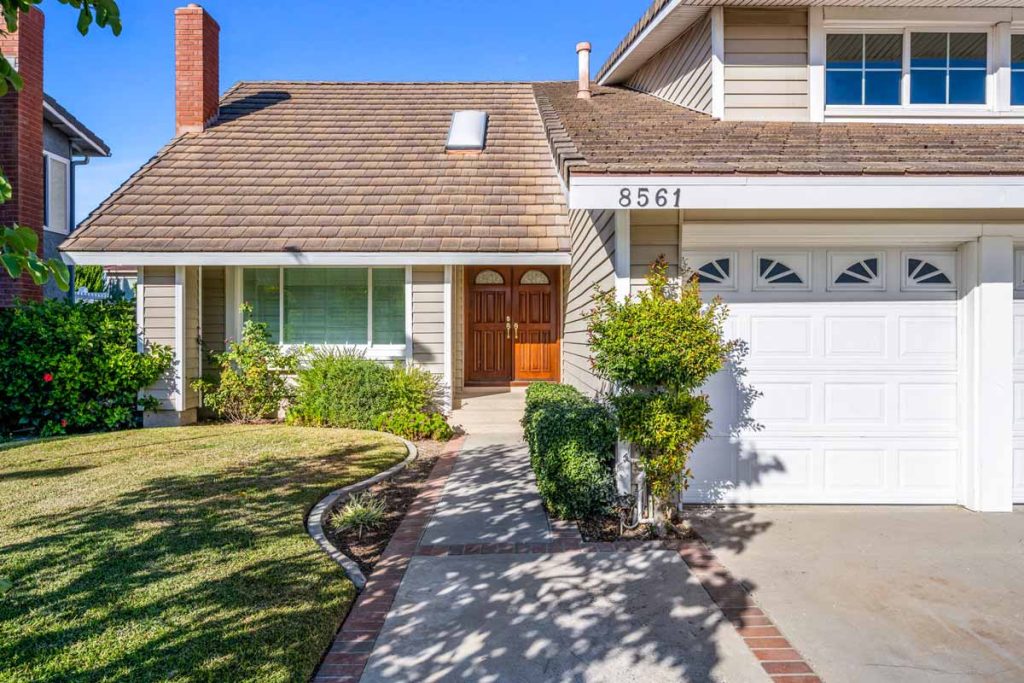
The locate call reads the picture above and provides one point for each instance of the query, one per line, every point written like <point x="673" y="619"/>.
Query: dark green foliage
<point x="67" y="368"/>
<point x="572" y="450"/>
<point x="412" y="425"/>
<point x="349" y="390"/>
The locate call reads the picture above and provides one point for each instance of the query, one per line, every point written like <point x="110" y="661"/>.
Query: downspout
<point x="73" y="223"/>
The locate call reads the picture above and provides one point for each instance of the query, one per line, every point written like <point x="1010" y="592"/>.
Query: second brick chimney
<point x="21" y="143"/>
<point x="197" y="68"/>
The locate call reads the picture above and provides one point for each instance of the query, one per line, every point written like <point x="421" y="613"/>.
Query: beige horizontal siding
<point x="681" y="72"/>
<point x="593" y="263"/>
<point x="428" y="317"/>
<point x="157" y="301"/>
<point x="653" y="234"/>
<point x="766" y="76"/>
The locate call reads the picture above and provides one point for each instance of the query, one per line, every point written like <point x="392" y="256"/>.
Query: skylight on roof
<point x="468" y="131"/>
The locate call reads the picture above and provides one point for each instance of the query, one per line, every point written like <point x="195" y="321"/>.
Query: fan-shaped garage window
<point x="717" y="272"/>
<point x="929" y="271"/>
<point x="782" y="271"/>
<point x="489" y="277"/>
<point x="534" y="277"/>
<point x="856" y="270"/>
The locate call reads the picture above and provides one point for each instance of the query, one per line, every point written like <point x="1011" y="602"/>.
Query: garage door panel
<point x="805" y="469"/>
<point x="780" y="336"/>
<point x="1018" y="384"/>
<point x="844" y="396"/>
<point x="856" y="337"/>
<point x="928" y="338"/>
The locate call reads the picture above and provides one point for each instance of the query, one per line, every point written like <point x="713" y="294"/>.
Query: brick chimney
<point x="197" y="68"/>
<point x="21" y="143"/>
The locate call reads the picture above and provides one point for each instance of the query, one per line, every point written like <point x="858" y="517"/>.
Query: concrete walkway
<point x="567" y="616"/>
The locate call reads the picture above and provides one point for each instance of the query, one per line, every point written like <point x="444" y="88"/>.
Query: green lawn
<point x="173" y="554"/>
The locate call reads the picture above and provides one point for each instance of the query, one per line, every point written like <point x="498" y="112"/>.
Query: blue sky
<point x="123" y="88"/>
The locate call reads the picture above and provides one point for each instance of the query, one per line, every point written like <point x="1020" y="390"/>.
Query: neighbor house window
<point x="329" y="306"/>
<point x="1017" y="70"/>
<point x="948" y="68"/>
<point x="863" y="68"/>
<point x="56" y="183"/>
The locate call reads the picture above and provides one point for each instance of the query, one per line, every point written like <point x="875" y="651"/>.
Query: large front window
<point x="328" y="306"/>
<point x="1017" y="70"/>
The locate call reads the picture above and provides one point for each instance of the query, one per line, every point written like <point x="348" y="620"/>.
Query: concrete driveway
<point x="884" y="593"/>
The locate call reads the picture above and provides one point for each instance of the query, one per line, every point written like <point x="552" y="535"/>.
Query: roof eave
<point x="88" y="143"/>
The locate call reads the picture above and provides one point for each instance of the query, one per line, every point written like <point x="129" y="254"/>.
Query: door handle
<point x="508" y="327"/>
<point x="515" y="326"/>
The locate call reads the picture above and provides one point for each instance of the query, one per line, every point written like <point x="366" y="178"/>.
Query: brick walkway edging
<point x="348" y="654"/>
<point x="347" y="657"/>
<point x="315" y="520"/>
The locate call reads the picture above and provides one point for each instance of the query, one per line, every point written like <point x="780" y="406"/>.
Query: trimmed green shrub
<point x="350" y="390"/>
<point x="69" y="368"/>
<point x="412" y="425"/>
<point x="572" y="450"/>
<point x="659" y="405"/>
<point x="252" y="383"/>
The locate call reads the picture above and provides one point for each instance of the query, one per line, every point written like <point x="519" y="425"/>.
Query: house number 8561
<point x="645" y="196"/>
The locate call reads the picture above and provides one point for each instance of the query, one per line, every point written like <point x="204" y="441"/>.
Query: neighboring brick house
<point x="41" y="144"/>
<point x="850" y="180"/>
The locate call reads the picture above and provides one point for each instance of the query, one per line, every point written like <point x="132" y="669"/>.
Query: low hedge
<point x="352" y="391"/>
<point x="572" y="450"/>
<point x="67" y="368"/>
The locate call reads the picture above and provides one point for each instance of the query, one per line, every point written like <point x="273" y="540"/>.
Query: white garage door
<point x="1018" y="379"/>
<point x="848" y="391"/>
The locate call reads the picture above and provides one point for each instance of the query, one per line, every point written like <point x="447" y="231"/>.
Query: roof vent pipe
<point x="583" y="51"/>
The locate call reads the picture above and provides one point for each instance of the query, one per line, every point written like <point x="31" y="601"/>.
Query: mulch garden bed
<point x="607" y="529"/>
<point x="398" y="494"/>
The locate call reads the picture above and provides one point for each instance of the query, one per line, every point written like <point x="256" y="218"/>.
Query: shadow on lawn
<point x="572" y="616"/>
<point x="206" y="577"/>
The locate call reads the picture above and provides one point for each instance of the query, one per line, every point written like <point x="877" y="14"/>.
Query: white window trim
<point x="374" y="351"/>
<point x="66" y="229"/>
<point x="997" y="80"/>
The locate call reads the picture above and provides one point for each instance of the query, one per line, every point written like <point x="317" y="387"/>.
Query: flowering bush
<point x="67" y="368"/>
<point x="253" y="384"/>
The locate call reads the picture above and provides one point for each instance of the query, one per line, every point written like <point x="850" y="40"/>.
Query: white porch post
<point x="623" y="449"/>
<point x="448" y="345"/>
<point x="987" y="374"/>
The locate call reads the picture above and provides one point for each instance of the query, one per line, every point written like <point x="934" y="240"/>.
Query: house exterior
<point x="848" y="178"/>
<point x="43" y="145"/>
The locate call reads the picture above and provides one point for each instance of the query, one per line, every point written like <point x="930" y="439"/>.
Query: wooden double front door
<point x="512" y="324"/>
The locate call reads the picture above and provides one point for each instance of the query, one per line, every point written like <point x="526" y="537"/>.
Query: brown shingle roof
<point x="619" y="131"/>
<point x="343" y="167"/>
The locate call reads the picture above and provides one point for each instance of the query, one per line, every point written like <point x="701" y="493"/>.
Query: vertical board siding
<point x="652" y="234"/>
<point x="593" y="259"/>
<point x="428" y="317"/>
<point x="214" y="307"/>
<point x="192" y="333"/>
<point x="158" y="322"/>
<point x="766" y="72"/>
<point x="681" y="72"/>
